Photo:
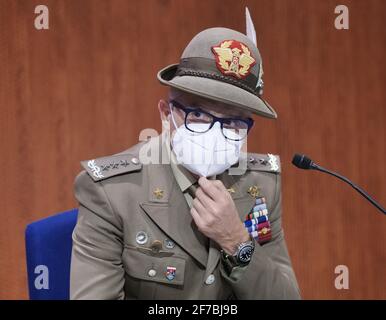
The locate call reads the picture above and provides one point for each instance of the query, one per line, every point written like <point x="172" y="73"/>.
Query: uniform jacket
<point x="123" y="202"/>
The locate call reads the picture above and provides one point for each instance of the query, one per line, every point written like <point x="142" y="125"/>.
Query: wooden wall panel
<point x="87" y="86"/>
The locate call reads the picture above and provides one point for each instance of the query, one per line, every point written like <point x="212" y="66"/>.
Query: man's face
<point x="215" y="108"/>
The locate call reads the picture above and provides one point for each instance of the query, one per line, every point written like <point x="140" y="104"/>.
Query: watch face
<point x="245" y="254"/>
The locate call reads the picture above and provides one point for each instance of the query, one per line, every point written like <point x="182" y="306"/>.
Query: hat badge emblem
<point x="233" y="58"/>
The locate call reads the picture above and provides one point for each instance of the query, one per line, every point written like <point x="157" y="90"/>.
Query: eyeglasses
<point x="200" y="121"/>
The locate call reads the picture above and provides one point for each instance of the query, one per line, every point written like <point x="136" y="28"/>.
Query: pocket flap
<point x="170" y="270"/>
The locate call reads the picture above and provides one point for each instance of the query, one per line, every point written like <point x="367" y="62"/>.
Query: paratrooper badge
<point x="233" y="58"/>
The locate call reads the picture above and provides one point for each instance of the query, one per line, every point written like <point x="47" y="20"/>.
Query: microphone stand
<point x="362" y="192"/>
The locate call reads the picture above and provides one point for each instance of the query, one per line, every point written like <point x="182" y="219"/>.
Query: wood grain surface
<point x="87" y="87"/>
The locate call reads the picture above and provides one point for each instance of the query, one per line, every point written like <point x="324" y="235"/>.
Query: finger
<point x="206" y="201"/>
<point x="199" y="207"/>
<point x="209" y="188"/>
<point x="196" y="217"/>
<point x="219" y="185"/>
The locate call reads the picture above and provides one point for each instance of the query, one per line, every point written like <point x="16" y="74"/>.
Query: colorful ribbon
<point x="257" y="222"/>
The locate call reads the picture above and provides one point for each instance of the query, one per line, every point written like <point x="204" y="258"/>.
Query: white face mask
<point x="205" y="154"/>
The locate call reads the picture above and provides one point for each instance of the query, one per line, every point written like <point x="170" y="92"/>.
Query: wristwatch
<point x="242" y="256"/>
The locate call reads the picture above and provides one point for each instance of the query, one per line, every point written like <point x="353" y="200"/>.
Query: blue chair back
<point x="48" y="248"/>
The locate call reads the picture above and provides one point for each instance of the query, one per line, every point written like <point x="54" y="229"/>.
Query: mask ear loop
<point x="174" y="124"/>
<point x="171" y="113"/>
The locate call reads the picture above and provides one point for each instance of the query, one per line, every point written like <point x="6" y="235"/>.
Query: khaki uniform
<point x="134" y="224"/>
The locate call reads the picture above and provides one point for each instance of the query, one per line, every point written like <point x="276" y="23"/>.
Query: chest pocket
<point x="166" y="270"/>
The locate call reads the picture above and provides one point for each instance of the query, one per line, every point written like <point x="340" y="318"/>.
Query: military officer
<point x="188" y="214"/>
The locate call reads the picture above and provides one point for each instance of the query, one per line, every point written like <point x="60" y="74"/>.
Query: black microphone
<point x="303" y="162"/>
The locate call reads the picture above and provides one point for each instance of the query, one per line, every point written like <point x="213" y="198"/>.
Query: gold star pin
<point x="231" y="190"/>
<point x="254" y="191"/>
<point x="158" y="193"/>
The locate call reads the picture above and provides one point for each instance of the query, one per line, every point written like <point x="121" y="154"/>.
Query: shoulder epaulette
<point x="264" y="162"/>
<point x="106" y="167"/>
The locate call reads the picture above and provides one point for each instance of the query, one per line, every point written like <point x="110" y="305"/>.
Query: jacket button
<point x="135" y="161"/>
<point x="152" y="273"/>
<point x="211" y="278"/>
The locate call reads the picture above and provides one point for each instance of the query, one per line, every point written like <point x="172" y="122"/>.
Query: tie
<point x="200" y="236"/>
<point x="192" y="190"/>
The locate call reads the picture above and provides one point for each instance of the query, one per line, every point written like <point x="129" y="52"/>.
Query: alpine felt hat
<point x="223" y="65"/>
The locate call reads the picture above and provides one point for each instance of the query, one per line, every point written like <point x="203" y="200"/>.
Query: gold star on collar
<point x="254" y="191"/>
<point x="158" y="193"/>
<point x="231" y="190"/>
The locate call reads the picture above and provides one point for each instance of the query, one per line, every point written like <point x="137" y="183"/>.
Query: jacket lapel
<point x="238" y="190"/>
<point x="171" y="212"/>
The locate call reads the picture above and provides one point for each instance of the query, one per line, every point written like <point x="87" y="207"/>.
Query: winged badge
<point x="233" y="58"/>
